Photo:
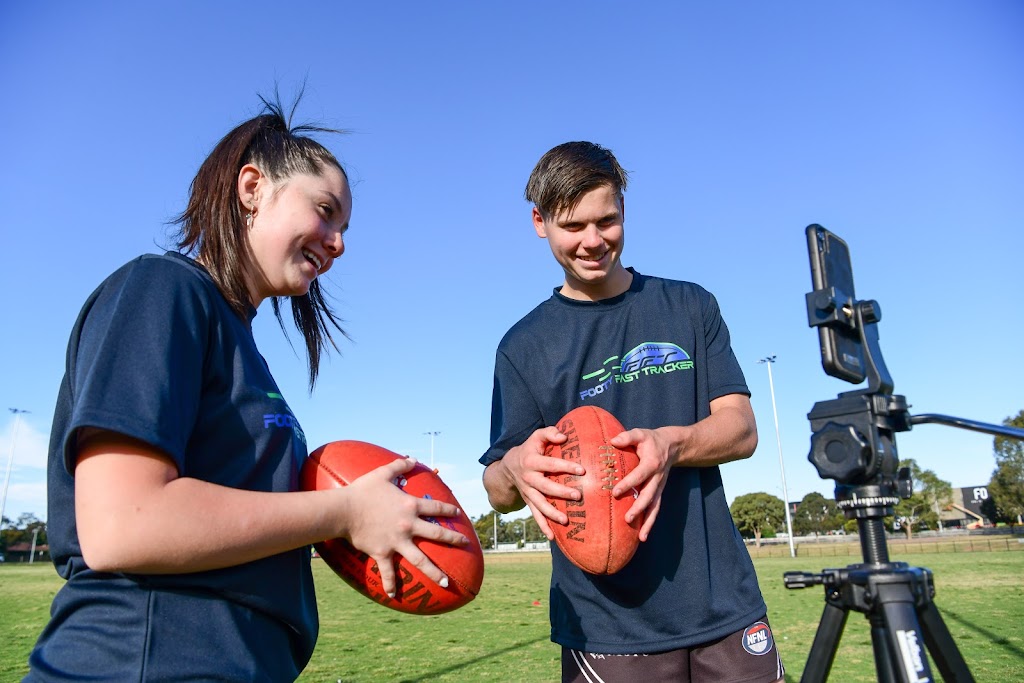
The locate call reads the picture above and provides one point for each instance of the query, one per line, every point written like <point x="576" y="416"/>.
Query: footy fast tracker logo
<point x="284" y="419"/>
<point x="644" y="360"/>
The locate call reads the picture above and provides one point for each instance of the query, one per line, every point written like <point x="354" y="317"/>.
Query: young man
<point x="656" y="354"/>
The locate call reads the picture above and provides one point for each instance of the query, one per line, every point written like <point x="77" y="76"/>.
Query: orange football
<point x="597" y="539"/>
<point x="339" y="463"/>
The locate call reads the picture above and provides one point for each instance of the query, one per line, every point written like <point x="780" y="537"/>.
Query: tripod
<point x="853" y="442"/>
<point x="895" y="598"/>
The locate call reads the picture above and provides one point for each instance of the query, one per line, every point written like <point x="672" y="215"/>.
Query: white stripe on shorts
<point x="588" y="671"/>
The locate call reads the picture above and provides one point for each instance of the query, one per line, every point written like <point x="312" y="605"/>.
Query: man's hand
<point x="525" y="469"/>
<point x="728" y="434"/>
<point x="654" y="449"/>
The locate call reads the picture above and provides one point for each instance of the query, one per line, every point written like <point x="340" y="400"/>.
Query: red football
<point x="341" y="462"/>
<point x="597" y="539"/>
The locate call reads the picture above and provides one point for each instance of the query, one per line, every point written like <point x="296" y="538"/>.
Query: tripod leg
<point x="940" y="644"/>
<point x="884" y="657"/>
<point x="826" y="642"/>
<point x="903" y="633"/>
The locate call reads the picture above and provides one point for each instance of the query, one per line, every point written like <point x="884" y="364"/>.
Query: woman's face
<point x="297" y="231"/>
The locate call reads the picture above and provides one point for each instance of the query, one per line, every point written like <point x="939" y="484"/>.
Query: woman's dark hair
<point x="212" y="225"/>
<point x="567" y="172"/>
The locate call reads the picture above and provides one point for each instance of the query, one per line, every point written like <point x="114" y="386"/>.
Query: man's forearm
<point x="729" y="433"/>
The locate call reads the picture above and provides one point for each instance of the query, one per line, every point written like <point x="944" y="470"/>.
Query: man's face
<point x="587" y="242"/>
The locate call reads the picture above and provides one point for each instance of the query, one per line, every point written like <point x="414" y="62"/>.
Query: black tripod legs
<point x="826" y="643"/>
<point x="896" y="636"/>
<point x="896" y="599"/>
<point x="941" y="645"/>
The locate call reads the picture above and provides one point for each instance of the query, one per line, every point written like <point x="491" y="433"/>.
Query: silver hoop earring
<point x="248" y="220"/>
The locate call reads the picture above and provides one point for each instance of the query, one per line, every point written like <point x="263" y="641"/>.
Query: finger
<point x="396" y="467"/>
<point x="538" y="503"/>
<point x="648" y="494"/>
<point x="426" y="507"/>
<point x="550" y="435"/>
<point x="418" y="559"/>
<point x="435" y="532"/>
<point x="386" y="569"/>
<point x="549" y="465"/>
<point x="635" y="479"/>
<point x="652" y="514"/>
<point x="550" y="488"/>
<point x="542" y="522"/>
<point x="629" y="437"/>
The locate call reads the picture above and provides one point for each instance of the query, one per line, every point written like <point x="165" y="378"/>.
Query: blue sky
<point x="896" y="125"/>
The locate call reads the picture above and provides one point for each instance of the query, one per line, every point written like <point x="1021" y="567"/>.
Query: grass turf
<point x="503" y="634"/>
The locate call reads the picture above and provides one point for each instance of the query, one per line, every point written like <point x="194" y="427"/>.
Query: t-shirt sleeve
<point x="137" y="366"/>
<point x="724" y="373"/>
<point x="514" y="411"/>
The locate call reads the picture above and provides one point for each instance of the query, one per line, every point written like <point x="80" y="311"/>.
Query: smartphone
<point x="842" y="350"/>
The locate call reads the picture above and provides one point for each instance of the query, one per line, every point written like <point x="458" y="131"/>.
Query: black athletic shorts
<point x="747" y="655"/>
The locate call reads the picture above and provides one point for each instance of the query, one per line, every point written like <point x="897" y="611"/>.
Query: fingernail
<point x="458" y="512"/>
<point x="443" y="582"/>
<point x="391" y="594"/>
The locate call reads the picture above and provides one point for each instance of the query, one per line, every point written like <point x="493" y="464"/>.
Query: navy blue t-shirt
<point x="654" y="356"/>
<point x="158" y="354"/>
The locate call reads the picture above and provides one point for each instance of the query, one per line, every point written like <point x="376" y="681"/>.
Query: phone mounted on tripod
<point x="853" y="436"/>
<point x="853" y="442"/>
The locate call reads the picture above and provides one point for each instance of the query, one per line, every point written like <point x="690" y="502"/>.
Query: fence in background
<point x="847" y="546"/>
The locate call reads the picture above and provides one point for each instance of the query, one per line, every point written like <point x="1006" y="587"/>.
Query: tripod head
<point x="853" y="436"/>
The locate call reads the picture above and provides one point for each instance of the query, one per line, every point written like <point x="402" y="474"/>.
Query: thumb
<point x="398" y="467"/>
<point x="623" y="439"/>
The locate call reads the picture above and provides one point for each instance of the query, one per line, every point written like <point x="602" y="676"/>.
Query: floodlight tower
<point x="768" y="360"/>
<point x="432" y="435"/>
<point x="18" y="412"/>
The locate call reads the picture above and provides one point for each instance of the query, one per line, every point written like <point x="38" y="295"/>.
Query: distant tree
<point x="938" y="493"/>
<point x="753" y="513"/>
<point x="1007" y="448"/>
<point x="22" y="530"/>
<point x="929" y="495"/>
<point x="816" y="514"/>
<point x="523" y="530"/>
<point x="509" y="531"/>
<point x="484" y="526"/>
<point x="1006" y="489"/>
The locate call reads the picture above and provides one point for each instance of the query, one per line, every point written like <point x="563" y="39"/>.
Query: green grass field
<point x="503" y="635"/>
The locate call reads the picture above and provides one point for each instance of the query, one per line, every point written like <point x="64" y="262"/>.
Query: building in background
<point x="965" y="511"/>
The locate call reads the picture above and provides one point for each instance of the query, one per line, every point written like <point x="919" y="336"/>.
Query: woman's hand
<point x="381" y="520"/>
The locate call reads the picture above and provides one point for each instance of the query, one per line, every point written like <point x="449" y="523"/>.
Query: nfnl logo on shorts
<point x="757" y="640"/>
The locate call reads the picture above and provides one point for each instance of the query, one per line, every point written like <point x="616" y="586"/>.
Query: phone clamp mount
<point x="853" y="442"/>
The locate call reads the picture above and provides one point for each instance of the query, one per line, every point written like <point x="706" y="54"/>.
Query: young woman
<point x="174" y="513"/>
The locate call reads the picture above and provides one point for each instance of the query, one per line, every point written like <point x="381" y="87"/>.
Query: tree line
<point x="21" y="533"/>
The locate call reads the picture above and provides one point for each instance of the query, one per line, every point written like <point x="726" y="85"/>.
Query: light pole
<point x="495" y="529"/>
<point x="35" y="537"/>
<point x="768" y="360"/>
<point x="432" y="435"/>
<point x="10" y="458"/>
